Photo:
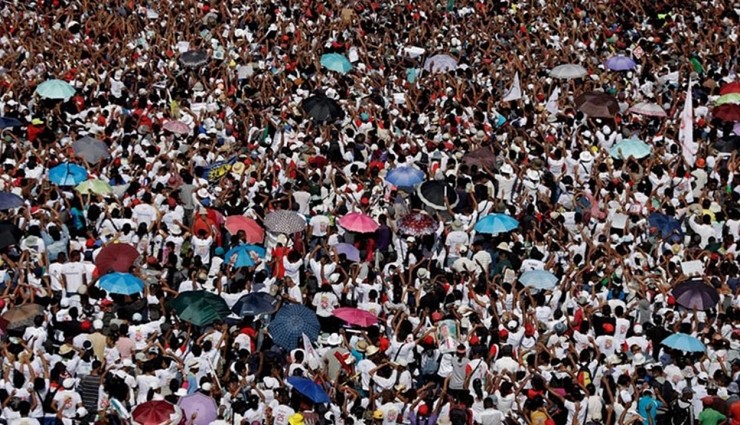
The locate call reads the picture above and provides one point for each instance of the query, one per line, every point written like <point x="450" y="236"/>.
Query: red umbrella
<point x="156" y="412"/>
<point x="733" y="87"/>
<point x="355" y="316"/>
<point x="727" y="112"/>
<point x="255" y="233"/>
<point x="177" y="127"/>
<point x="117" y="257"/>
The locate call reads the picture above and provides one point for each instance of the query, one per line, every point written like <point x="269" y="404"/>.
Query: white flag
<point x="311" y="356"/>
<point x="686" y="132"/>
<point x="516" y="90"/>
<point x="552" y="102"/>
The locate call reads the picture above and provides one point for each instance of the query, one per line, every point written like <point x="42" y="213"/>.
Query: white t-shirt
<point x="202" y="247"/>
<point x="67" y="401"/>
<point x="325" y="303"/>
<point x="73" y="273"/>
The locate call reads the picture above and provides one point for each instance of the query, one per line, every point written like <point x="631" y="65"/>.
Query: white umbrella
<point x="648" y="108"/>
<point x="568" y="71"/>
<point x="440" y="63"/>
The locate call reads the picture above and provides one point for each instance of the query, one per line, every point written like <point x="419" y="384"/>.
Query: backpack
<point x="459" y="415"/>
<point x="431" y="366"/>
<point x="584" y="376"/>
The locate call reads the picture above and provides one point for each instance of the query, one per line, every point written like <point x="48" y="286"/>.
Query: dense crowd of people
<point x="291" y="212"/>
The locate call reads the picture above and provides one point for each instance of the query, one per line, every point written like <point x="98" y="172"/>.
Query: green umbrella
<point x="98" y="187"/>
<point x="728" y="98"/>
<point x="200" y="307"/>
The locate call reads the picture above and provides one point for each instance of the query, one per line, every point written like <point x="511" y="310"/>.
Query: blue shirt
<point x="642" y="405"/>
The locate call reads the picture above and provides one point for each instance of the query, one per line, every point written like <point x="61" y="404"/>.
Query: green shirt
<point x="710" y="416"/>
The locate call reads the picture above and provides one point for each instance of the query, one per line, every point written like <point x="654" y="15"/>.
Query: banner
<point x="218" y="169"/>
<point x="515" y="92"/>
<point x="689" y="148"/>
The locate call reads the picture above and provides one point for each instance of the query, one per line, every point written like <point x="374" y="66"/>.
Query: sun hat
<point x="361" y="346"/>
<point x="371" y="350"/>
<point x="378" y="414"/>
<point x="585" y="156"/>
<point x="68" y="383"/>
<point x="334" y="339"/>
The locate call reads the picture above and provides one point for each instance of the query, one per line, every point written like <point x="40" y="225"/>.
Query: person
<point x="708" y="415"/>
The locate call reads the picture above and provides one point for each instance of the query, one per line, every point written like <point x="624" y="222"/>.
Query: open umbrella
<point x="649" y="109"/>
<point x="597" y="105"/>
<point x="336" y="62"/>
<point x="121" y="283"/>
<point x="630" y="148"/>
<point x="440" y="63"/>
<point x="22" y="316"/>
<point x="198" y="403"/>
<point x="405" y="177"/>
<point x="358" y="222"/>
<point x="668" y="226"/>
<point x="67" y="174"/>
<point x="6" y="122"/>
<point x="90" y="149"/>
<point x="417" y="223"/>
<point x="156" y="412"/>
<point x="309" y="388"/>
<point x="620" y="63"/>
<point x="496" y="223"/>
<point x="291" y="322"/>
<point x="96" y="186"/>
<point x="355" y="316"/>
<point x="241" y="255"/>
<point x="321" y="108"/>
<point x="284" y="221"/>
<point x="435" y="193"/>
<point x="254" y="304"/>
<point x="10" y="234"/>
<point x="568" y="72"/>
<point x="9" y="201"/>
<point x="729" y="112"/>
<point x="695" y="294"/>
<point x="684" y="342"/>
<point x="200" y="307"/>
<point x="55" y="89"/>
<point x="194" y="58"/>
<point x="118" y="257"/>
<point x="254" y="232"/>
<point x="352" y="253"/>
<point x="538" y="279"/>
<point x="177" y="127"/>
<point x="482" y="157"/>
<point x="733" y="98"/>
<point x="733" y="87"/>
<point x="736" y="129"/>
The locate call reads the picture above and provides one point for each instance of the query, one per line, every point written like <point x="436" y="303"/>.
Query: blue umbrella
<point x="684" y="342"/>
<point x="244" y="255"/>
<point x="67" y="174"/>
<point x="9" y="201"/>
<point x="620" y="63"/>
<point x="55" y="89"/>
<point x="630" y="147"/>
<point x="336" y="62"/>
<point x="539" y="279"/>
<point x="496" y="223"/>
<point x="254" y="304"/>
<point x="121" y="283"/>
<point x="669" y="227"/>
<point x="290" y="323"/>
<point x="6" y="122"/>
<point x="405" y="177"/>
<point x="309" y="388"/>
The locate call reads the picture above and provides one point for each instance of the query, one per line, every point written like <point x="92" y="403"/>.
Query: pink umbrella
<point x="177" y="127"/>
<point x="358" y="222"/>
<point x="255" y="233"/>
<point x="355" y="316"/>
<point x="202" y="405"/>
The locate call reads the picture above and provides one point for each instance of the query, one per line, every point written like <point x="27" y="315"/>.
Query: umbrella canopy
<point x="620" y="63"/>
<point x="6" y="122"/>
<point x="117" y="257"/>
<point x="90" y="149"/>
<point x="242" y="255"/>
<point x="253" y="231"/>
<point x="539" y="279"/>
<point x="352" y="253"/>
<point x="198" y="403"/>
<point x="696" y="294"/>
<point x="67" y="174"/>
<point x="9" y="201"/>
<point x="434" y="194"/>
<point x="684" y="342"/>
<point x="406" y="177"/>
<point x="358" y="222"/>
<point x="290" y="323"/>
<point x="336" y="62"/>
<point x="482" y="157"/>
<point x="649" y="109"/>
<point x="440" y="63"/>
<point x="156" y="412"/>
<point x="321" y="108"/>
<point x="494" y="224"/>
<point x="736" y="129"/>
<point x="630" y="147"/>
<point x="194" y="58"/>
<point x="355" y="316"/>
<point x="98" y="187"/>
<point x="10" y="234"/>
<point x="309" y="388"/>
<point x="254" y="304"/>
<point x="417" y="224"/>
<point x="728" y="112"/>
<point x="200" y="307"/>
<point x="284" y="221"/>
<point x="121" y="283"/>
<point x="733" y="87"/>
<point x="177" y="127"/>
<point x="733" y="98"/>
<point x="669" y="227"/>
<point x="55" y="89"/>
<point x="568" y="71"/>
<point x="22" y="316"/>
<point x="597" y="105"/>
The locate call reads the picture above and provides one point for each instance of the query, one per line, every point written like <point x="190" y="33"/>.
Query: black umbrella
<point x="10" y="234"/>
<point x="322" y="109"/>
<point x="194" y="58"/>
<point x="90" y="149"/>
<point x="254" y="304"/>
<point x="696" y="294"/>
<point x="434" y="193"/>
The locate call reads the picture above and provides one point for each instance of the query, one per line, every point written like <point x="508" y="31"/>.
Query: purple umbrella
<point x="736" y="129"/>
<point x="352" y="253"/>
<point x="199" y="403"/>
<point x="620" y="63"/>
<point x="695" y="293"/>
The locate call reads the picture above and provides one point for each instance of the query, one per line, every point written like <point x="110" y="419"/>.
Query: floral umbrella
<point x="417" y="224"/>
